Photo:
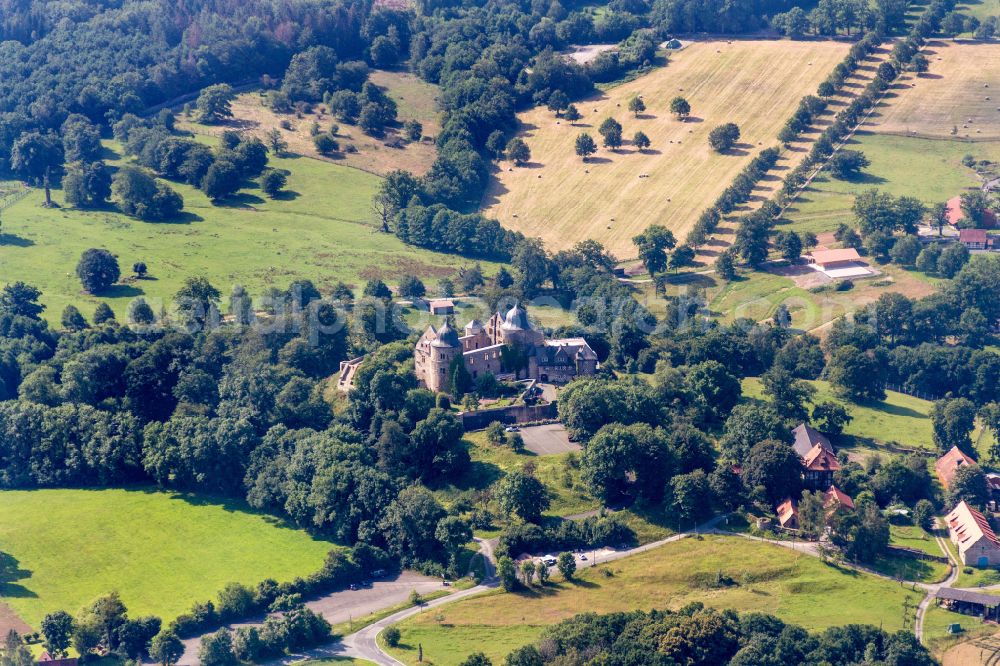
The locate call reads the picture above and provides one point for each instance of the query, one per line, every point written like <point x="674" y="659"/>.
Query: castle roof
<point x="474" y="325"/>
<point x="516" y="319"/>
<point x="446" y="337"/>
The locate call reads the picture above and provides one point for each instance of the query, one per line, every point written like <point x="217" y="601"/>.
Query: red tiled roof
<point x="787" y="511"/>
<point x="948" y="464"/>
<point x="820" y="459"/>
<point x="972" y="236"/>
<point x="967" y="523"/>
<point x="835" y="496"/>
<point x="954" y="210"/>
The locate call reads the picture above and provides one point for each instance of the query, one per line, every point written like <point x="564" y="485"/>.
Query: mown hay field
<point x="961" y="84"/>
<point x="756" y="84"/>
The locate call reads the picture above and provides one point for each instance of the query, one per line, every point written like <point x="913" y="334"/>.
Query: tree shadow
<point x="108" y="154"/>
<point x="10" y="573"/>
<point x="121" y="291"/>
<point x="239" y="200"/>
<point x="286" y="195"/>
<point x="183" y="217"/>
<point x="14" y="240"/>
<point x="862" y="178"/>
<point x="694" y="119"/>
<point x="597" y="160"/>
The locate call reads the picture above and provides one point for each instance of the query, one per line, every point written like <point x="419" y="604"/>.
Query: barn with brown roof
<point x="948" y="464"/>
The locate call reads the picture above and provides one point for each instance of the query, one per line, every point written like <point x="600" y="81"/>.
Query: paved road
<point x="547" y="440"/>
<point x="344" y="605"/>
<point x="918" y="623"/>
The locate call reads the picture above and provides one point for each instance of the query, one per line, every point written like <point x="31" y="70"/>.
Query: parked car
<point x="512" y="428"/>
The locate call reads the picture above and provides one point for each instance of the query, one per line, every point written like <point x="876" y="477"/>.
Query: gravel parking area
<point x="548" y="440"/>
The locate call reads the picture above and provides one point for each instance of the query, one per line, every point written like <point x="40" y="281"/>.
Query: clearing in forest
<point x="961" y="85"/>
<point x="617" y="194"/>
<point x="415" y="100"/>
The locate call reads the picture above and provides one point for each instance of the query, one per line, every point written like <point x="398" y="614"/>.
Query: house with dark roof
<point x="806" y="437"/>
<point x="970" y="531"/>
<point x="948" y="464"/>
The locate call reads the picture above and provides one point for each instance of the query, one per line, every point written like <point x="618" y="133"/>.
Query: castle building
<point x="507" y="345"/>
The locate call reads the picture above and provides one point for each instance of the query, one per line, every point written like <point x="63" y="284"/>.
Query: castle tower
<point x="444" y="348"/>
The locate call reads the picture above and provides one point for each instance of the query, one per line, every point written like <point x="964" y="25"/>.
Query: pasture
<point x="160" y="551"/>
<point x="926" y="168"/>
<point x="961" y="85"/>
<point x="900" y="418"/>
<point x="321" y="229"/>
<point x="415" y="99"/>
<point x="798" y="588"/>
<point x="756" y="84"/>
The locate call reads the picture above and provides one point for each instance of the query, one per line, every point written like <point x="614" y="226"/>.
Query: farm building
<point x="442" y="306"/>
<point x="955" y="214"/>
<point x="970" y="531"/>
<point x="842" y="263"/>
<point x="948" y="464"/>
<point x="976" y="240"/>
<point x="46" y="659"/>
<point x="969" y="602"/>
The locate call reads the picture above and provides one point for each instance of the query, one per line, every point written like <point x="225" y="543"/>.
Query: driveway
<point x="343" y="606"/>
<point x="547" y="440"/>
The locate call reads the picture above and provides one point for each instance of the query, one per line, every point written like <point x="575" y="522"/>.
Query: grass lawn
<point x="913" y="536"/>
<point x="756" y="84"/>
<point x="936" y="636"/>
<point x="567" y="493"/>
<point x="827" y="201"/>
<point x="900" y="418"/>
<point x="490" y="463"/>
<point x="160" y="551"/>
<point x="796" y="587"/>
<point x="321" y="230"/>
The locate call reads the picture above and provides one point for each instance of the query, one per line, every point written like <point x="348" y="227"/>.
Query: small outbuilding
<point x="976" y="240"/>
<point x="969" y="602"/>
<point x="442" y="306"/>
<point x="947" y="465"/>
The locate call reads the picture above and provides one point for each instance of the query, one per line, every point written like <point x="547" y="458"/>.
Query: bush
<point x="139" y="195"/>
<point x="392" y="636"/>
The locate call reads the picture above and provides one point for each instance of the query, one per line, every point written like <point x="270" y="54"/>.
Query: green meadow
<point x="899" y="418"/>
<point x="796" y="587"/>
<point x="161" y="551"/>
<point x="321" y="229"/>
<point x="929" y="169"/>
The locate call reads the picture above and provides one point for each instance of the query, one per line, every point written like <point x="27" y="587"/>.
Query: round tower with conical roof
<point x="444" y="348"/>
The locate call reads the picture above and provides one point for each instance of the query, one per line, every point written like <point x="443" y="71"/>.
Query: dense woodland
<point x="696" y="635"/>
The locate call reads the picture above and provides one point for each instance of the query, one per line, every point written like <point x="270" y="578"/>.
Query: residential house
<point x="948" y="464"/>
<point x="835" y="501"/>
<point x="819" y="465"/>
<point x="970" y="531"/>
<point x="806" y="437"/>
<point x="788" y="514"/>
<point x="976" y="240"/>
